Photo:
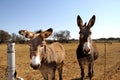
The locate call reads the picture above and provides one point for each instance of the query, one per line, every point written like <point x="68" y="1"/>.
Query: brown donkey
<point x="46" y="58"/>
<point x="86" y="52"/>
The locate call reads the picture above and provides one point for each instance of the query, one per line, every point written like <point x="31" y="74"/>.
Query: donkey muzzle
<point x="86" y="50"/>
<point x="35" y="66"/>
<point x="86" y="47"/>
<point x="35" y="62"/>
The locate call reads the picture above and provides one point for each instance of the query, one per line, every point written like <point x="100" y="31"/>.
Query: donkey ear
<point x="79" y="21"/>
<point x="26" y="34"/>
<point x="91" y="21"/>
<point x="47" y="33"/>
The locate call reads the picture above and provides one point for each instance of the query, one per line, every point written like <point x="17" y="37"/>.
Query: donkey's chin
<point x="35" y="67"/>
<point x="87" y="53"/>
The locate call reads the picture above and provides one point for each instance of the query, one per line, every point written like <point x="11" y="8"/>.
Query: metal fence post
<point x="105" y="55"/>
<point x="11" y="60"/>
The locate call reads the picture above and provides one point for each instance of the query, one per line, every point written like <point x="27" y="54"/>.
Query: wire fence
<point x="109" y="74"/>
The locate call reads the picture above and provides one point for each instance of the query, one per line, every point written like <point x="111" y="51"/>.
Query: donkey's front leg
<point x="90" y="70"/>
<point x="82" y="72"/>
<point x="45" y="75"/>
<point x="82" y="68"/>
<point x="60" y="68"/>
<point x="53" y="74"/>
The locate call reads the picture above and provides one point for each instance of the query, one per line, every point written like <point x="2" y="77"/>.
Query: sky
<point x="60" y="15"/>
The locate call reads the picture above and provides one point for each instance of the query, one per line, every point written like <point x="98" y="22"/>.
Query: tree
<point x="13" y="36"/>
<point x="18" y="38"/>
<point x="4" y="36"/>
<point x="62" y="36"/>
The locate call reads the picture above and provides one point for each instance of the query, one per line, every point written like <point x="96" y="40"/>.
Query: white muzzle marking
<point x="86" y="46"/>
<point x="35" y="60"/>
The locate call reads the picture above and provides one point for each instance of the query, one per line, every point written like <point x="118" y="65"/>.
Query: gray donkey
<point x="46" y="58"/>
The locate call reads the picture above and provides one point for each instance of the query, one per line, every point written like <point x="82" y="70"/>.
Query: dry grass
<point x="71" y="69"/>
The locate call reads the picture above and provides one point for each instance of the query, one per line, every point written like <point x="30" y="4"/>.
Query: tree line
<point x="61" y="36"/>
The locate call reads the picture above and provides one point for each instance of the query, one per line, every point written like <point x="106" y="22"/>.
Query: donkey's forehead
<point x="37" y="39"/>
<point x="84" y="29"/>
<point x="83" y="26"/>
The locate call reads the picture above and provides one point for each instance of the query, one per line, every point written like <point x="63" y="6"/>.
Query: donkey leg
<point x="45" y="75"/>
<point x="60" y="68"/>
<point x="90" y="70"/>
<point x="93" y="70"/>
<point x="53" y="74"/>
<point x="82" y="72"/>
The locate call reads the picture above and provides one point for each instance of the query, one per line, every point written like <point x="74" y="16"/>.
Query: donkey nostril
<point x="34" y="66"/>
<point x="86" y="50"/>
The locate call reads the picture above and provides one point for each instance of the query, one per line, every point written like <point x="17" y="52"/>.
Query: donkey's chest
<point x="81" y="55"/>
<point x="84" y="59"/>
<point x="48" y="67"/>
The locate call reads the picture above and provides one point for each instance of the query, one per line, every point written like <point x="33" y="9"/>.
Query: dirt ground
<point x="71" y="70"/>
